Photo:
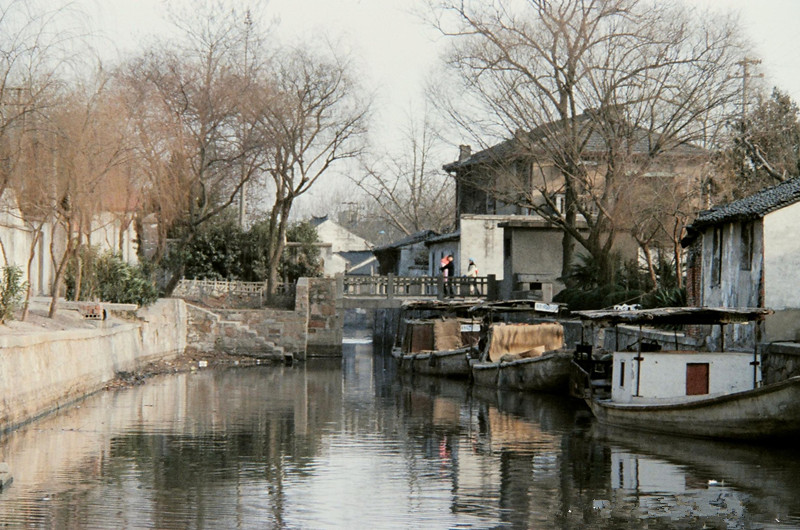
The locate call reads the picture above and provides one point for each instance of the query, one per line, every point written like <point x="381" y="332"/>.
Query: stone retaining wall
<point x="43" y="372"/>
<point x="780" y="361"/>
<point x="312" y="329"/>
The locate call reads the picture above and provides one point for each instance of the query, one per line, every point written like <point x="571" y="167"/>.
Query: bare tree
<point x="591" y="92"/>
<point x="312" y="117"/>
<point x="196" y="131"/>
<point x="90" y="148"/>
<point x="407" y="187"/>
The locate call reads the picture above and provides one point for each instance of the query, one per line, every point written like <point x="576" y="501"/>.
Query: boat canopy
<point x="675" y="315"/>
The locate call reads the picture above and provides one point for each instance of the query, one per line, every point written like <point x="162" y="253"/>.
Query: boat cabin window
<point x="696" y="379"/>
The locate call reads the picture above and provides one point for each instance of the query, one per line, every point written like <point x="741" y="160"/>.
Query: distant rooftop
<point x="416" y="237"/>
<point x="595" y="143"/>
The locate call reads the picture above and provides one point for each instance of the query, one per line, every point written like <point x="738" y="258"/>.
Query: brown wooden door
<point x="696" y="379"/>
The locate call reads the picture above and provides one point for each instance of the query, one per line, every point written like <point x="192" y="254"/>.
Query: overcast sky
<point x="397" y="51"/>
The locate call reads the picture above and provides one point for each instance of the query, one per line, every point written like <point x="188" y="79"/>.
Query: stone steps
<point x="238" y="338"/>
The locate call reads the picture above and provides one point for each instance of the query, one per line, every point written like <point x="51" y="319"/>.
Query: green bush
<point x="12" y="292"/>
<point x="110" y="279"/>
<point x="665" y="297"/>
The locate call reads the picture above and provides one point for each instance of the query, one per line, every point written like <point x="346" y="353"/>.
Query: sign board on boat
<point x="546" y="308"/>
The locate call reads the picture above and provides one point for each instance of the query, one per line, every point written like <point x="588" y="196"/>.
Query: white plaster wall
<point x="16" y="238"/>
<point x="782" y="258"/>
<point x="106" y="235"/>
<point x="341" y="239"/>
<point x="663" y="374"/>
<point x="482" y="240"/>
<point x="334" y="264"/>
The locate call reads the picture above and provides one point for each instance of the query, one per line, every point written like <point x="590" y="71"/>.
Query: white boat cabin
<point x="676" y="374"/>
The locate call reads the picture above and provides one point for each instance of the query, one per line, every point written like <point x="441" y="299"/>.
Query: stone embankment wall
<point x="780" y="361"/>
<point x="312" y="329"/>
<point x="42" y="372"/>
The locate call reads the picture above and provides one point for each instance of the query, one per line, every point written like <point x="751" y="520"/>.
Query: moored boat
<point x="768" y="412"/>
<point x="527" y="357"/>
<point x="710" y="394"/>
<point x="439" y="343"/>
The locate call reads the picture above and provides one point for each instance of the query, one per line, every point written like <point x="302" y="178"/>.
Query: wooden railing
<point x="391" y="286"/>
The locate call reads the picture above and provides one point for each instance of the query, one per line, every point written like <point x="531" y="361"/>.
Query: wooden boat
<point x="525" y="356"/>
<point x="440" y="343"/>
<point x="660" y="392"/>
<point x="771" y="411"/>
<point x="548" y="372"/>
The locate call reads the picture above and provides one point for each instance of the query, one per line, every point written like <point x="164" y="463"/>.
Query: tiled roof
<point x="358" y="257"/>
<point x="595" y="143"/>
<point x="416" y="237"/>
<point x="755" y="206"/>
<point x="452" y="236"/>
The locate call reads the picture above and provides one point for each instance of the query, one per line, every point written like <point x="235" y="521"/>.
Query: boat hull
<point x="772" y="411"/>
<point x="547" y="373"/>
<point x="453" y="363"/>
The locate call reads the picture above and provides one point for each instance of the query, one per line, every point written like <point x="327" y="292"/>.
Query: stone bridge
<point x="231" y="316"/>
<point x="383" y="292"/>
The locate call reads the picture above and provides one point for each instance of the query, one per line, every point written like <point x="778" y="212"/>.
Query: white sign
<point x="467" y="328"/>
<point x="546" y="308"/>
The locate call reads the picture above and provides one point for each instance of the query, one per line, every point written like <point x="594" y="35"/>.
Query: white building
<point x="24" y="241"/>
<point x="343" y="251"/>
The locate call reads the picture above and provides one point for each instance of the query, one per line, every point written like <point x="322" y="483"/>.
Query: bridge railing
<point x="391" y="286"/>
<point x="234" y="292"/>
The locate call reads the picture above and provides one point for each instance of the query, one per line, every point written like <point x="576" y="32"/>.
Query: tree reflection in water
<point x="351" y="443"/>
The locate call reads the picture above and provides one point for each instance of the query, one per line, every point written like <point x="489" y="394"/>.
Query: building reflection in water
<point x="350" y="443"/>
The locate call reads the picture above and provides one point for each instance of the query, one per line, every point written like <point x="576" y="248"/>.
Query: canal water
<point x="351" y="444"/>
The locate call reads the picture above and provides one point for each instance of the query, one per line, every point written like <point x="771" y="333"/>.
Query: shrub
<point x="110" y="279"/>
<point x="12" y="291"/>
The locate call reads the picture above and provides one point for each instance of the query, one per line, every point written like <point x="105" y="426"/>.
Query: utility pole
<point x="746" y="75"/>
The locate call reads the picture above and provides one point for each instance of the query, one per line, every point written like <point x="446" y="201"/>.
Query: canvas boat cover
<point x="524" y="340"/>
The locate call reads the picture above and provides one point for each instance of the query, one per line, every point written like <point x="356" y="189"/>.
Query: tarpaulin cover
<point x="447" y="335"/>
<point x="524" y="340"/>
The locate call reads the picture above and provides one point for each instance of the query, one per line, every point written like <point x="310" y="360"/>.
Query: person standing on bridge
<point x="448" y="271"/>
<point x="472" y="273"/>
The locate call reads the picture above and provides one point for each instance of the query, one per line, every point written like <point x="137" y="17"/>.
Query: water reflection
<point x="353" y="444"/>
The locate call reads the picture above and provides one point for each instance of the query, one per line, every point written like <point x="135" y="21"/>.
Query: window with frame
<point x="716" y="257"/>
<point x="747" y="246"/>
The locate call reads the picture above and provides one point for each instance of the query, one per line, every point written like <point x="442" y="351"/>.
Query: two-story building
<point x="508" y="195"/>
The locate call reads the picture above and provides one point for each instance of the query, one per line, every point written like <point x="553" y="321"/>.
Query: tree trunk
<point x="37" y="235"/>
<point x="58" y="281"/>
<point x="651" y="269"/>
<point x="567" y="241"/>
